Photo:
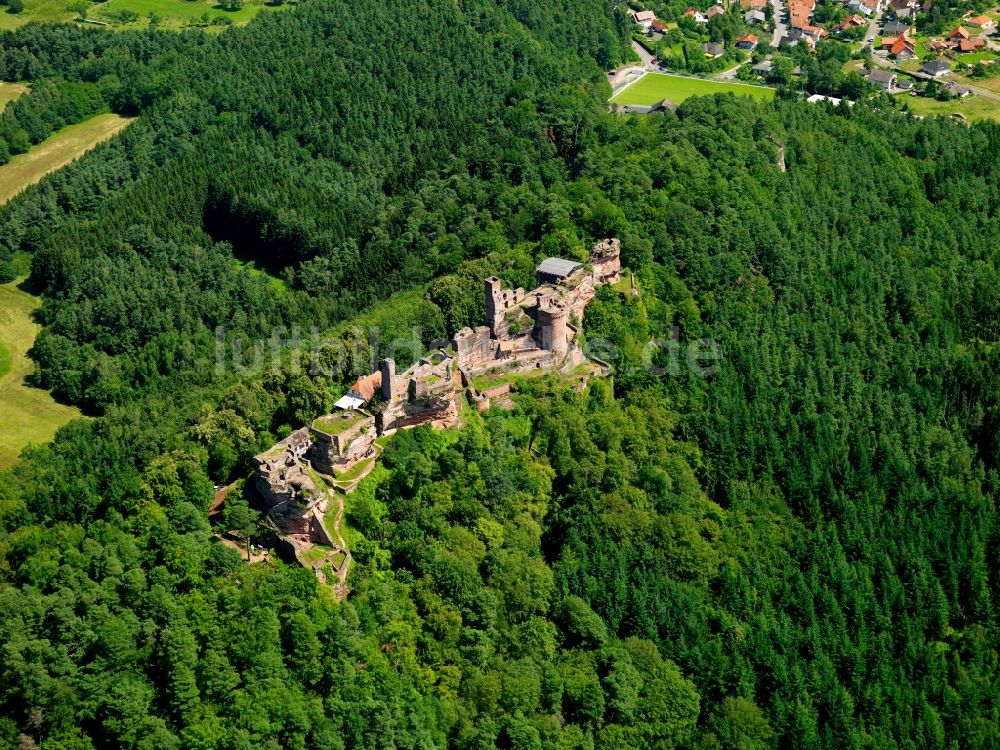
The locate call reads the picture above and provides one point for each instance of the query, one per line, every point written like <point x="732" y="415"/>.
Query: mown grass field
<point x="973" y="107"/>
<point x="172" y="13"/>
<point x="655" y="87"/>
<point x="43" y="11"/>
<point x="27" y="415"/>
<point x="56" y="151"/>
<point x="11" y="91"/>
<point x="177" y="13"/>
<point x="971" y="58"/>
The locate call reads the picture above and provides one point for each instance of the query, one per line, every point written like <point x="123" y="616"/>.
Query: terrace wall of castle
<point x="342" y="450"/>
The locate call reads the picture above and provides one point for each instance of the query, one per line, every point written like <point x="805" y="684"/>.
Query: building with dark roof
<point x="936" y="68"/>
<point x="554" y="270"/>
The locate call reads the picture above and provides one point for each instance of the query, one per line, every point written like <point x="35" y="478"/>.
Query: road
<point x="647" y="59"/>
<point x="728" y="75"/>
<point x="780" y="29"/>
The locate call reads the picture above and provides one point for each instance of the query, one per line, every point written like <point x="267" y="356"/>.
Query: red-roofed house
<point x="747" y="42"/>
<point x="799" y="12"/>
<point x="903" y="48"/>
<point x="696" y="14"/>
<point x="814" y="32"/>
<point x="971" y="45"/>
<point x="851" y="22"/>
<point x="981" y="22"/>
<point x="658" y="26"/>
<point x="958" y="34"/>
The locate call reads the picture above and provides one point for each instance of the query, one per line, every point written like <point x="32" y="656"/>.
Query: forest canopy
<point x="798" y="550"/>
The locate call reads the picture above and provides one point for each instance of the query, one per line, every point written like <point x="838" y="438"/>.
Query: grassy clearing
<point x="361" y="467"/>
<point x="989" y="84"/>
<point x="172" y="14"/>
<point x="5" y="360"/>
<point x="493" y="379"/>
<point x="56" y="151"/>
<point x="973" y="107"/>
<point x="315" y="554"/>
<point x="339" y="423"/>
<point x="11" y="91"/>
<point x="30" y="415"/>
<point x="176" y="14"/>
<point x="971" y="58"/>
<point x="654" y="87"/>
<point x="43" y="11"/>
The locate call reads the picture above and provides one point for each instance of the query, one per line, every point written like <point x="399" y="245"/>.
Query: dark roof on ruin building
<point x="557" y="267"/>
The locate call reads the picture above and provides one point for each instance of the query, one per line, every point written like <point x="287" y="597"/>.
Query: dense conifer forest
<point x="799" y="550"/>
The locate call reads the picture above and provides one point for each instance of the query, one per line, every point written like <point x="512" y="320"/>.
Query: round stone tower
<point x="552" y="322"/>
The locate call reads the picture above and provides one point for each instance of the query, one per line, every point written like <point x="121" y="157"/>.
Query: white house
<point x="936" y="68"/>
<point x="883" y="79"/>
<point x="981" y="22"/>
<point x="644" y="18"/>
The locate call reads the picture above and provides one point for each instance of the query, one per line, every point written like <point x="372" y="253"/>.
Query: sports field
<point x="11" y="91"/>
<point x="27" y="415"/>
<point x="56" y="151"/>
<point x="655" y="87"/>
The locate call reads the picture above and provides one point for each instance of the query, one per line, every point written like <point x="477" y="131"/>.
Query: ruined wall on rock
<point x="339" y="450"/>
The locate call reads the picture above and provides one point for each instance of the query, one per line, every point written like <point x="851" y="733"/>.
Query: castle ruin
<point x="523" y="332"/>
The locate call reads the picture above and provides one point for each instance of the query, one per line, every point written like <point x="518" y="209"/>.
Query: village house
<point x="883" y="79"/>
<point x="746" y="42"/>
<point x="900" y="48"/>
<point x="796" y="35"/>
<point x="982" y="22"/>
<point x="956" y="90"/>
<point x="754" y="17"/>
<point x="814" y="33"/>
<point x="895" y="28"/>
<point x="936" y="68"/>
<point x="644" y="18"/>
<point x="712" y="50"/>
<point x="715" y="10"/>
<point x="971" y="45"/>
<point x="864" y="7"/>
<point x="958" y="35"/>
<point x="658" y="26"/>
<point x="905" y="8"/>
<point x="763" y="67"/>
<point x="644" y="109"/>
<point x="696" y="14"/>
<point x="799" y="12"/>
<point x="853" y="21"/>
<point x="753" y="4"/>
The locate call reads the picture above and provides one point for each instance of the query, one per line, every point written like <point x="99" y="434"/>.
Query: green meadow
<point x="27" y="415"/>
<point x="655" y="87"/>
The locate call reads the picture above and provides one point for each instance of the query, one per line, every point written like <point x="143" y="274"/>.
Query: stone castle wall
<point x="340" y="452"/>
<point x="474" y="347"/>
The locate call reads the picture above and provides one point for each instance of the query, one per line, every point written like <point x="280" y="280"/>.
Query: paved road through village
<point x="779" y="26"/>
